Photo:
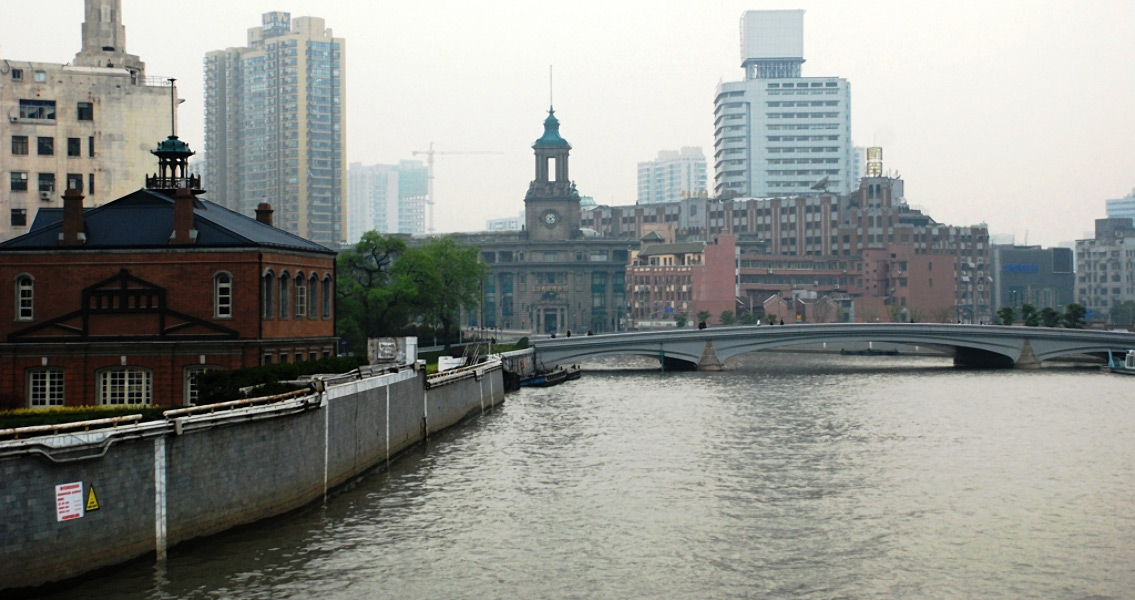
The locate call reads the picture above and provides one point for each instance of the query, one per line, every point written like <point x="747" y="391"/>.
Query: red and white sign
<point x="69" y="501"/>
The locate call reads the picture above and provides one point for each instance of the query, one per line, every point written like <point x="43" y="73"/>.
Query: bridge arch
<point x="971" y="345"/>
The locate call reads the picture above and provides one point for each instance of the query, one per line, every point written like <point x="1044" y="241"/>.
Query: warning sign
<point x="69" y="501"/>
<point x="92" y="501"/>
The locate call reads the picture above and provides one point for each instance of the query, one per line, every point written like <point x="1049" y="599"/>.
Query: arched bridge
<point x="970" y="345"/>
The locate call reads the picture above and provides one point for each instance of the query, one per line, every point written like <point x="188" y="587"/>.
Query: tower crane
<point x="430" y="176"/>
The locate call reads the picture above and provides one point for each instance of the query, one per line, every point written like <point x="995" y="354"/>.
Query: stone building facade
<point x="87" y="125"/>
<point x="553" y="276"/>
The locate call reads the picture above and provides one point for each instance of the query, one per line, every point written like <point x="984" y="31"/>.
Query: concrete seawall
<point x="160" y="483"/>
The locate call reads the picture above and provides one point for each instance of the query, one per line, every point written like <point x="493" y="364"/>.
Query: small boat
<point x="1128" y="366"/>
<point x="556" y="376"/>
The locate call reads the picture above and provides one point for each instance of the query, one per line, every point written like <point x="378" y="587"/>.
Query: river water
<point x="785" y="476"/>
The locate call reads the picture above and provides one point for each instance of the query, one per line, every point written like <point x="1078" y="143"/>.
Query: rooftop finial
<point x="172" y="109"/>
<point x="551" y="104"/>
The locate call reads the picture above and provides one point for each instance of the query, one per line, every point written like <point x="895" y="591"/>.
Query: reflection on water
<point x="785" y="476"/>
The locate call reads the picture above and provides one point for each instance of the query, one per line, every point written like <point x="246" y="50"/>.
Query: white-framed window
<point x="326" y="296"/>
<point x="45" y="387"/>
<point x="192" y="394"/>
<point x="25" y="297"/>
<point x="223" y="295"/>
<point x="285" y="294"/>
<point x="301" y="296"/>
<point x="267" y="290"/>
<point x="120" y="386"/>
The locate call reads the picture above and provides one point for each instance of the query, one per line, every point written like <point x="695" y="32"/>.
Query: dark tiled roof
<point x="679" y="248"/>
<point x="144" y="219"/>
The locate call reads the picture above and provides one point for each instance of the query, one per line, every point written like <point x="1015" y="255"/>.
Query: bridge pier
<point x="709" y="360"/>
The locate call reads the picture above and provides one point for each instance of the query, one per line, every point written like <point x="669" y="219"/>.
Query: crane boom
<point x="430" y="175"/>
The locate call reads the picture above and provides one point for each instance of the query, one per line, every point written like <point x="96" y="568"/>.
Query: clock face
<point x="550" y="218"/>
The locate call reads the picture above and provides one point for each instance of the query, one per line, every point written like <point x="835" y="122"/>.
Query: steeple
<point x="551" y="205"/>
<point x="104" y="39"/>
<point x="173" y="158"/>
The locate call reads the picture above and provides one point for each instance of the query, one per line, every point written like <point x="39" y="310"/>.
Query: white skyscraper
<point x="777" y="133"/>
<point x="386" y="198"/>
<point x="672" y="176"/>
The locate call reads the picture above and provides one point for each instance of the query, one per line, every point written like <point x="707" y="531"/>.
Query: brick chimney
<point x="183" y="231"/>
<point x="264" y="213"/>
<point x="73" y="234"/>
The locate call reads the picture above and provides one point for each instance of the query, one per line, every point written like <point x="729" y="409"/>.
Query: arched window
<point x="285" y="295"/>
<point x="267" y="291"/>
<point x="25" y="297"/>
<point x="326" y="296"/>
<point x="125" y="385"/>
<point x="222" y="296"/>
<point x="313" y="293"/>
<point x="301" y="296"/>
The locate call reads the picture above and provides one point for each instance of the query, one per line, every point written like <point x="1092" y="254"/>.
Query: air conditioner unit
<point x="45" y="196"/>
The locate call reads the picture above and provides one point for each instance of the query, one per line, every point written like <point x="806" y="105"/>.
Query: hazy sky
<point x="1020" y="114"/>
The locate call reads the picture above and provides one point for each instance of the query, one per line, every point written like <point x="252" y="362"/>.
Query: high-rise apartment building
<point x="776" y="132"/>
<point x="274" y="126"/>
<point x="1122" y="208"/>
<point x="1105" y="268"/>
<point x="87" y="125"/>
<point x="672" y="176"/>
<point x="387" y="198"/>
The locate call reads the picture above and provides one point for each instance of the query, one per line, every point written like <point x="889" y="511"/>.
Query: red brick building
<point x="125" y="303"/>
<point x="668" y="280"/>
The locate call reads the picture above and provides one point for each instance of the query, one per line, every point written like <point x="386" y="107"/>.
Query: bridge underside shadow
<point x="976" y="358"/>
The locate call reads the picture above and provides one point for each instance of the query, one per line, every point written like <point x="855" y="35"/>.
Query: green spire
<point x="551" y="137"/>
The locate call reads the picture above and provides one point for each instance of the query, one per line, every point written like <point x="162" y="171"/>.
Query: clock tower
<point x="551" y="206"/>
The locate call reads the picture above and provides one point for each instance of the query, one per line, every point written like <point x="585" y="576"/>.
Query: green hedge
<point x="222" y="386"/>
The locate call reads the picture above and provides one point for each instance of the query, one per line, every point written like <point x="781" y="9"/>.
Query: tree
<point x="1074" y="316"/>
<point x="1007" y="315"/>
<point x="446" y="278"/>
<point x="704" y="315"/>
<point x="370" y="302"/>
<point x="680" y="321"/>
<point x="748" y="319"/>
<point x="1049" y="317"/>
<point x="1029" y="315"/>
<point x="728" y="318"/>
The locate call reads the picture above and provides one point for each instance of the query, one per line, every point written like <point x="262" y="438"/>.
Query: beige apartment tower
<point x="88" y="125"/>
<point x="274" y="126"/>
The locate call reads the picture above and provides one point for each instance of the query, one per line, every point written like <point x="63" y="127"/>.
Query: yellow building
<point x="88" y="125"/>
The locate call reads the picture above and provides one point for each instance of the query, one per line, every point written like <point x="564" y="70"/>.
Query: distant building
<point x="1122" y="208"/>
<point x="85" y="125"/>
<point x="553" y="276"/>
<point x="387" y="198"/>
<point x="506" y="224"/>
<point x="1042" y="277"/>
<point x="674" y="175"/>
<point x="668" y="280"/>
<point x="126" y="303"/>
<point x="1105" y="267"/>
<point x="274" y="126"/>
<point x="894" y="262"/>
<point x="776" y="132"/>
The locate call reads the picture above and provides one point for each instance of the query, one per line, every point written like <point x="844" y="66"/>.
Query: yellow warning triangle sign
<point x="92" y="501"/>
